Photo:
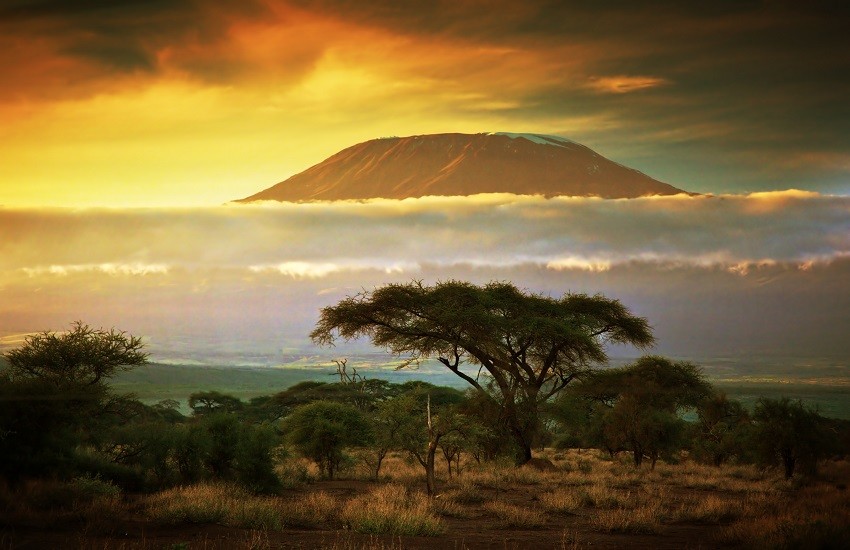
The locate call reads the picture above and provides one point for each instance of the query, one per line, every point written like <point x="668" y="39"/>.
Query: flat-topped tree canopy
<point x="531" y="345"/>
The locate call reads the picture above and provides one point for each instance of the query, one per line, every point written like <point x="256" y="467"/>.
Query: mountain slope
<point x="464" y="164"/>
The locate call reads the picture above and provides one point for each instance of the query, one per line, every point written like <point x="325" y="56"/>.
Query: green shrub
<point x="323" y="429"/>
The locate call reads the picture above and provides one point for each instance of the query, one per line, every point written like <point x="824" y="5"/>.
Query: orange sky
<point x="177" y="103"/>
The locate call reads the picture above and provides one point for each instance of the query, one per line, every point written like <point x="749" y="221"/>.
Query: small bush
<point x="296" y="472"/>
<point x="602" y="496"/>
<point x="392" y="510"/>
<point x="584" y="466"/>
<point x="203" y="503"/>
<point x="710" y="509"/>
<point x="511" y="516"/>
<point x="310" y="510"/>
<point x="93" y="487"/>
<point x="565" y="501"/>
<point x="466" y="492"/>
<point x="643" y="520"/>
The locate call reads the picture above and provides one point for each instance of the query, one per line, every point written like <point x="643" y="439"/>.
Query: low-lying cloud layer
<point x="313" y="240"/>
<point x="765" y="273"/>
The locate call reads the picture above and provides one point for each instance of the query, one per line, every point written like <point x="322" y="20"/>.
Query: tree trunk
<point x="433" y="441"/>
<point x="430" y="479"/>
<point x="524" y="447"/>
<point x="638" y="457"/>
<point x="524" y="454"/>
<point x="788" y="461"/>
<point x="380" y="459"/>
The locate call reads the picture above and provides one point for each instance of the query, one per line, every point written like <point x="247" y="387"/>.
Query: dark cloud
<point x="101" y="41"/>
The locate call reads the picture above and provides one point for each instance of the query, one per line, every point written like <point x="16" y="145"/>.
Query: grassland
<point x="585" y="501"/>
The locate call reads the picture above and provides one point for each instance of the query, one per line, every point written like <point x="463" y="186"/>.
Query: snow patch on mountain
<point x="541" y="139"/>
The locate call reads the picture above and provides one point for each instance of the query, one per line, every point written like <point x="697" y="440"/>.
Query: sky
<point x="128" y="125"/>
<point x="182" y="102"/>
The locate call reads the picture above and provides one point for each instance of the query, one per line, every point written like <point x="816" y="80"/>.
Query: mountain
<point x="464" y="164"/>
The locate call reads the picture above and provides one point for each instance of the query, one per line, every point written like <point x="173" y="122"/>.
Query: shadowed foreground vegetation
<point x="572" y="456"/>
<point x="585" y="499"/>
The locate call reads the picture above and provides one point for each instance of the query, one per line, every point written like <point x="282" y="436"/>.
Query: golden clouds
<point x="236" y="103"/>
<point x="188" y="103"/>
<point x="624" y="84"/>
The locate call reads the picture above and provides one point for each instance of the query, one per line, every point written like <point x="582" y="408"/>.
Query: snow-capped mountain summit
<point x="464" y="164"/>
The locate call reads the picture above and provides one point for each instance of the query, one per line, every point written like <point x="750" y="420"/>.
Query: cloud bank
<point x="313" y="240"/>
<point x="763" y="273"/>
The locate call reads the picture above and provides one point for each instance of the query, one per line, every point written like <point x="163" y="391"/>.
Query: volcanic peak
<point x="464" y="164"/>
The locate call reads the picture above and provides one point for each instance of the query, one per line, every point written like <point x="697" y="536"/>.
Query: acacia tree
<point x="322" y="430"/>
<point x="209" y="402"/>
<point x="643" y="400"/>
<point x="81" y="356"/>
<point x="788" y="432"/>
<point x="53" y="395"/>
<point x="530" y="345"/>
<point x="721" y="430"/>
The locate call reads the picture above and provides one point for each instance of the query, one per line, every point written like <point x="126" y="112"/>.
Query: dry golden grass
<point x="739" y="505"/>
<point x="708" y="509"/>
<point x="310" y="509"/>
<point x="392" y="509"/>
<point x="645" y="519"/>
<point x="398" y="468"/>
<point x="565" y="501"/>
<point x="202" y="503"/>
<point x="447" y="507"/>
<point x="465" y="491"/>
<point x="605" y="497"/>
<point x="817" y="516"/>
<point x="229" y="505"/>
<point x="510" y="516"/>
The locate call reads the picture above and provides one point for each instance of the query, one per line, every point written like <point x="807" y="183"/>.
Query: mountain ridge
<point x="457" y="164"/>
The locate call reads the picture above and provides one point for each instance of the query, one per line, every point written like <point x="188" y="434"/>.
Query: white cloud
<point x="498" y="230"/>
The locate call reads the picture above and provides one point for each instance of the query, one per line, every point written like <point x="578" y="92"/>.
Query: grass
<point x="465" y="491"/>
<point x="202" y="503"/>
<point x="229" y="505"/>
<point x="86" y="500"/>
<point x="814" y="516"/>
<point x="709" y="509"/>
<point x="310" y="510"/>
<point x="565" y="501"/>
<point x="393" y="510"/>
<point x="645" y="520"/>
<point x="511" y="516"/>
<point x="730" y="505"/>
